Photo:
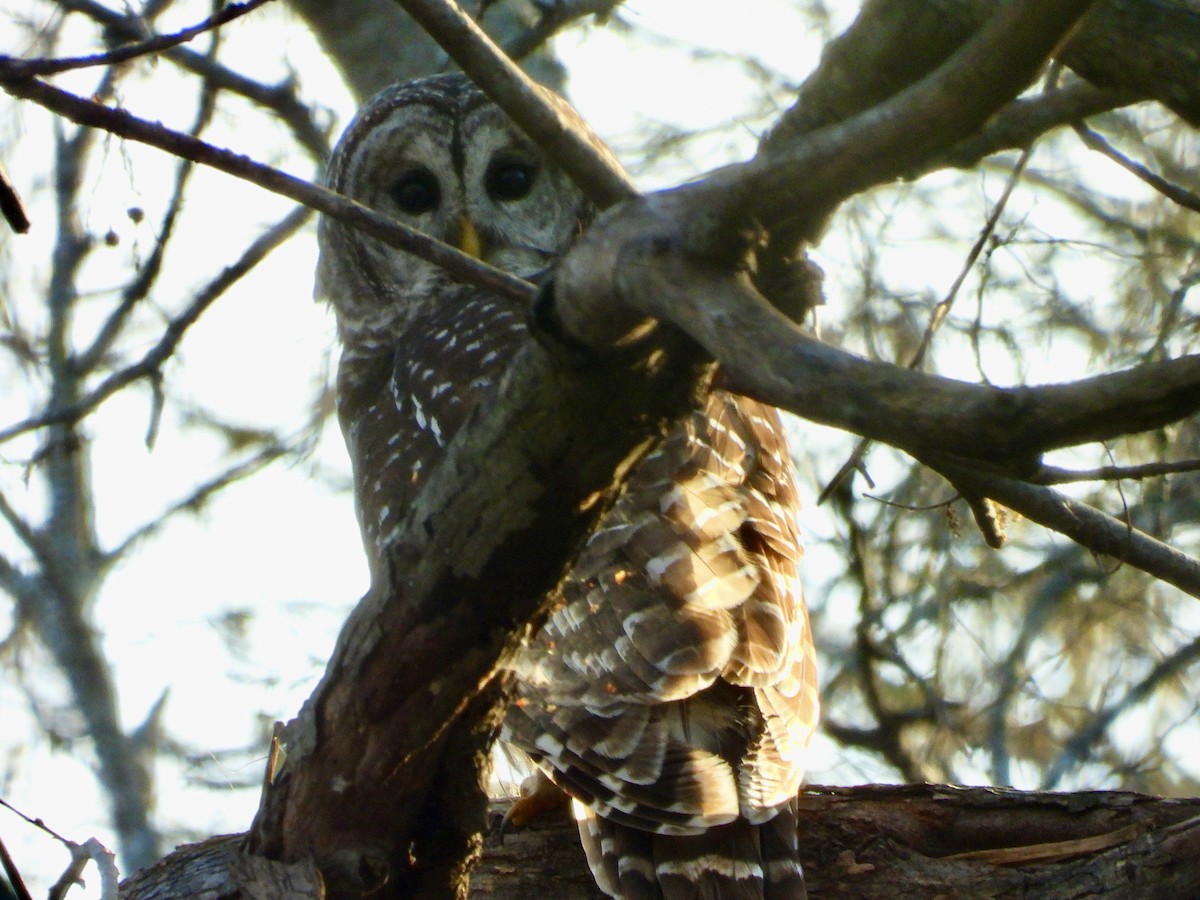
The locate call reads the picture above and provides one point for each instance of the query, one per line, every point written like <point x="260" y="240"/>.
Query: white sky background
<point x="284" y="545"/>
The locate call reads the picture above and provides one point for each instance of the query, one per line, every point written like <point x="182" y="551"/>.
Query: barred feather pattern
<point x="672" y="691"/>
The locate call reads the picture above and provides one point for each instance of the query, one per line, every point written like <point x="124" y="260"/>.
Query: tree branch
<point x="29" y="68"/>
<point x="544" y="117"/>
<point x="767" y="356"/>
<point x="553" y="18"/>
<point x="279" y="98"/>
<point x="1083" y="524"/>
<point x="881" y="143"/>
<point x="389" y="231"/>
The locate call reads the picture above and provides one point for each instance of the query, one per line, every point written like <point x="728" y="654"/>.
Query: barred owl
<point x="672" y="691"/>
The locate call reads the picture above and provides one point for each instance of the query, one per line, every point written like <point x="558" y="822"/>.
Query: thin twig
<point x="28" y="68"/>
<point x="1181" y="195"/>
<point x="202" y="493"/>
<point x="36" y="823"/>
<point x="1077" y="748"/>
<point x="940" y="311"/>
<point x="1055" y="475"/>
<point x="148" y="272"/>
<point x="14" y="874"/>
<point x="280" y="99"/>
<point x="553" y="18"/>
<point x="1084" y="524"/>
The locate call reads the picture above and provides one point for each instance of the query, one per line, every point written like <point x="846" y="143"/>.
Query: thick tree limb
<point x="1151" y="47"/>
<point x="879" y="144"/>
<point x="887" y="842"/>
<point x="874" y="841"/>
<point x="765" y="355"/>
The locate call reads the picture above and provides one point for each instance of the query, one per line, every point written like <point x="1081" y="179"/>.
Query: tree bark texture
<point x="873" y="841"/>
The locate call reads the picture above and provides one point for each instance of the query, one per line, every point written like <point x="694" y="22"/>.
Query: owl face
<point x="439" y="156"/>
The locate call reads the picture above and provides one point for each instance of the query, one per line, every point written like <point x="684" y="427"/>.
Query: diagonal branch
<point x="544" y="117"/>
<point x="882" y="143"/>
<point x="202" y="493"/>
<point x="765" y="355"/>
<point x="1079" y="747"/>
<point x="41" y="67"/>
<point x="1098" y="531"/>
<point x="97" y="115"/>
<point x="552" y="18"/>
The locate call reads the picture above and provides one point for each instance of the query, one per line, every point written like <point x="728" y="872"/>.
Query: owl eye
<point x="508" y="180"/>
<point x="417" y="192"/>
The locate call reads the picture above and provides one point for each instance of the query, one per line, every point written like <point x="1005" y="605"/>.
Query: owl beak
<point x="468" y="239"/>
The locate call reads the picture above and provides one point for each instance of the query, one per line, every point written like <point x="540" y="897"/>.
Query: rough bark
<point x="866" y="842"/>
<point x="930" y="841"/>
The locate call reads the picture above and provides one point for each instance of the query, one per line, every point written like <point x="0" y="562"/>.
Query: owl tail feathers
<point x="738" y="861"/>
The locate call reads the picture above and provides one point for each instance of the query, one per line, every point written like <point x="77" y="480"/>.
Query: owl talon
<point x="539" y="795"/>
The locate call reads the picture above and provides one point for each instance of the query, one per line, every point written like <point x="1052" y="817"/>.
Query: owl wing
<point x="399" y="405"/>
<point x="672" y="691"/>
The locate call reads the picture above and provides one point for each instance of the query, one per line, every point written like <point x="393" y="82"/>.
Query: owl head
<point x="439" y="156"/>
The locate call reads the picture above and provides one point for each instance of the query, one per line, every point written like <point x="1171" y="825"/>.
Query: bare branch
<point x="11" y="206"/>
<point x="90" y="850"/>
<point x="544" y="117"/>
<point x="29" y="68"/>
<point x="395" y="234"/>
<point x="940" y="311"/>
<point x="1020" y="123"/>
<point x="1174" y="192"/>
<point x="281" y="99"/>
<point x="14" y="875"/>
<point x="1079" y="746"/>
<point x="803" y="181"/>
<point x="147" y="273"/>
<point x="1055" y="475"/>
<point x="202" y="493"/>
<point x="554" y="17"/>
<point x="1098" y="531"/>
<point x="765" y="355"/>
<point x="22" y="529"/>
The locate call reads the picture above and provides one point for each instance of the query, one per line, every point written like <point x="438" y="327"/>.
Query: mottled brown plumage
<point x="672" y="692"/>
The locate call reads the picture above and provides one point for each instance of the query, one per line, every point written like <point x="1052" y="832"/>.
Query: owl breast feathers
<point x="672" y="691"/>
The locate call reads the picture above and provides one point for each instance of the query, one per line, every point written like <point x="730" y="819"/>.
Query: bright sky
<point x="284" y="545"/>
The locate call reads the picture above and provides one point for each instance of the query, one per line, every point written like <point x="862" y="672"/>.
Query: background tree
<point x="1085" y="664"/>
